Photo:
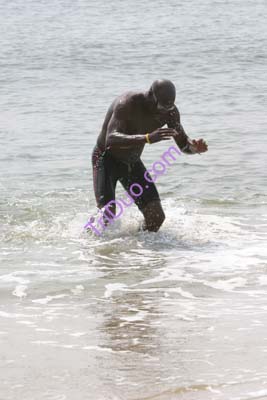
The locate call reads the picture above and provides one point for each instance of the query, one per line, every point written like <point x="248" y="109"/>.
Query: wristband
<point x="147" y="138"/>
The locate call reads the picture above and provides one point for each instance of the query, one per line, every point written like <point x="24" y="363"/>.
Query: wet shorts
<point x="107" y="171"/>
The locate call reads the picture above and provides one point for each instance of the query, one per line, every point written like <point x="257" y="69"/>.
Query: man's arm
<point x="185" y="144"/>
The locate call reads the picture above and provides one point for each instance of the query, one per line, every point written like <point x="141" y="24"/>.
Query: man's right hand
<point x="162" y="134"/>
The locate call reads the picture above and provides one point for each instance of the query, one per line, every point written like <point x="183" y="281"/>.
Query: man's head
<point x="163" y="94"/>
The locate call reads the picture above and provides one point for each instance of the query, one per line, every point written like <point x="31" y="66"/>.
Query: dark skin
<point x="128" y="120"/>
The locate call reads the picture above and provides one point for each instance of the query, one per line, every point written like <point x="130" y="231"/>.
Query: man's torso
<point x="138" y="120"/>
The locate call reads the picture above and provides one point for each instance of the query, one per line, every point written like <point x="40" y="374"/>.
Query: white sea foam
<point x="20" y="291"/>
<point x="182" y="292"/>
<point x="114" y="287"/>
<point x="14" y="277"/>
<point x="47" y="299"/>
<point x="262" y="280"/>
<point x="29" y="323"/>
<point x="78" y="334"/>
<point x="77" y="290"/>
<point x="227" y="285"/>
<point x="138" y="316"/>
<point x="5" y="314"/>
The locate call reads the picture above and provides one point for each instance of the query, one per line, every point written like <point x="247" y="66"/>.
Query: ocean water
<point x="178" y="314"/>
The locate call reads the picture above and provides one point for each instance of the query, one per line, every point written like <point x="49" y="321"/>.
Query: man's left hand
<point x="200" y="146"/>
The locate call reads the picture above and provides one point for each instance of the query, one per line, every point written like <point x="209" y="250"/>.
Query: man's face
<point x="164" y="104"/>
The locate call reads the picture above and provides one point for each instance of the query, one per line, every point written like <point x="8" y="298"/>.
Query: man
<point x="132" y="121"/>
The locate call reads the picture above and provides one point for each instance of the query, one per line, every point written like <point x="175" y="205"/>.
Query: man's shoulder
<point x="128" y="102"/>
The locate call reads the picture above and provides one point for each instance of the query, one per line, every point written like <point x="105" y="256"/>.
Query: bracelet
<point x="147" y="138"/>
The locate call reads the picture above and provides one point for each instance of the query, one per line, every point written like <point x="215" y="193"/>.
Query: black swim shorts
<point x="107" y="171"/>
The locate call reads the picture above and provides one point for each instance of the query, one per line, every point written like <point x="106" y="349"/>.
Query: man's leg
<point x="104" y="180"/>
<point x="154" y="216"/>
<point x="149" y="201"/>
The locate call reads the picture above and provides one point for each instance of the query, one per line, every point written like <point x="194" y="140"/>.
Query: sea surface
<point x="176" y="315"/>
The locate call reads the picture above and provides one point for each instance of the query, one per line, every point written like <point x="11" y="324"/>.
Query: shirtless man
<point x="132" y="121"/>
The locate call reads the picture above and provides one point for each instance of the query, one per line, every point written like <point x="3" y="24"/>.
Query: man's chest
<point x="143" y="123"/>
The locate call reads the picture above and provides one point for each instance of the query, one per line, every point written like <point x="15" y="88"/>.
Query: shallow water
<point x="178" y="314"/>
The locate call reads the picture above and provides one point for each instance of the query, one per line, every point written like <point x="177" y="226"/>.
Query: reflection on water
<point x="130" y="324"/>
